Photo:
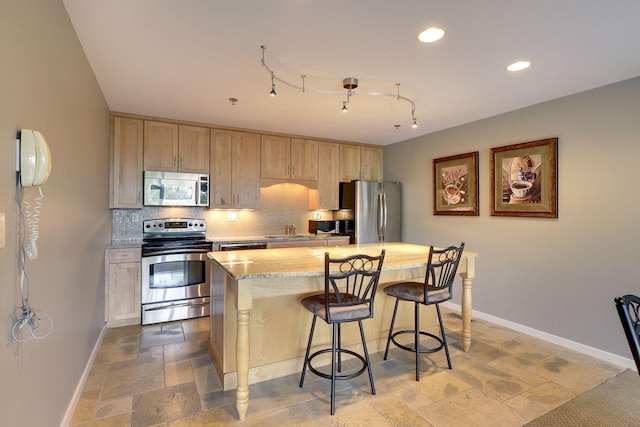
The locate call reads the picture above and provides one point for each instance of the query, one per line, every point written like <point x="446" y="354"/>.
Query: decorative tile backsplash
<point x="280" y="205"/>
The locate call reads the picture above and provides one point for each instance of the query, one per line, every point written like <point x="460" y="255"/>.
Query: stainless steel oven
<point x="175" y="270"/>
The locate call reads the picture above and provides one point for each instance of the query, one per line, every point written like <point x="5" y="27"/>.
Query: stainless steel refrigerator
<point x="374" y="210"/>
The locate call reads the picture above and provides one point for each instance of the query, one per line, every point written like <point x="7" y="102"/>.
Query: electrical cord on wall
<point x="28" y="319"/>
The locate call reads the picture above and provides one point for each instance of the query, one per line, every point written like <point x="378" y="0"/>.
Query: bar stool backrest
<point x="441" y="271"/>
<point x="350" y="286"/>
<point x="628" y="307"/>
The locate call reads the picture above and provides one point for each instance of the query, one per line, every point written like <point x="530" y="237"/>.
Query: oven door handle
<point x="183" y="304"/>
<point x="175" y="251"/>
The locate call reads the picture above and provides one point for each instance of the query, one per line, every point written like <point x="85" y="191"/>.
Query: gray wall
<point x="558" y="276"/>
<point x="47" y="84"/>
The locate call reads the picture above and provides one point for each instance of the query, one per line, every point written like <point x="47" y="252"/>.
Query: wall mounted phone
<point x="35" y="158"/>
<point x="33" y="164"/>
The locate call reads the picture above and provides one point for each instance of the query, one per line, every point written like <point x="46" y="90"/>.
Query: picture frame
<point x="455" y="185"/>
<point x="524" y="179"/>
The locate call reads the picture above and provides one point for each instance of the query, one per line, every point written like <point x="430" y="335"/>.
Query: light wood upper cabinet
<point x="275" y="157"/>
<point x="286" y="158"/>
<point x="360" y="162"/>
<point x="160" y="146"/>
<point x="172" y="148"/>
<point x="126" y="163"/>
<point x="235" y="170"/>
<point x="194" y="144"/>
<point x="304" y="159"/>
<point x="327" y="195"/>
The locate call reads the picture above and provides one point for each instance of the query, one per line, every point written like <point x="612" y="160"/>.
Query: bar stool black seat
<point x="442" y="265"/>
<point x="349" y="291"/>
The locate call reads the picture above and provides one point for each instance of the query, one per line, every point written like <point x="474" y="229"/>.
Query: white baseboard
<point x="68" y="415"/>
<point x="572" y="345"/>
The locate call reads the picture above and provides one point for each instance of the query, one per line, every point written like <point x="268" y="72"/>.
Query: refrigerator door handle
<point x="382" y="227"/>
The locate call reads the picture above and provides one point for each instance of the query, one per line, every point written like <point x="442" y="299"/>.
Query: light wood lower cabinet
<point x="308" y="243"/>
<point x="123" y="305"/>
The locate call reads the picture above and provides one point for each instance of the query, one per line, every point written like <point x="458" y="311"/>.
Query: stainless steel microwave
<point x="176" y="189"/>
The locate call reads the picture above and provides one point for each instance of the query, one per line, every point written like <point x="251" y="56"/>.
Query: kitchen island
<point x="259" y="329"/>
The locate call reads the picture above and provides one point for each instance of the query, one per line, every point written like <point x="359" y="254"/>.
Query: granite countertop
<point x="124" y="244"/>
<point x="309" y="261"/>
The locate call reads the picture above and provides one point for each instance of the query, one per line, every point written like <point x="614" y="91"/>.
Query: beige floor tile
<point x="440" y="385"/>
<point x="111" y="408"/>
<point x="577" y="376"/>
<point x="220" y="417"/>
<point x="186" y="350"/>
<point x="527" y="409"/>
<point x="133" y="377"/>
<point x="162" y="376"/>
<point x="293" y="416"/>
<point x="123" y="420"/>
<point x="170" y="335"/>
<point x="113" y="353"/>
<point x="356" y="413"/>
<point x="205" y="375"/>
<point x="492" y="380"/>
<point x="283" y="392"/>
<point x="165" y="404"/>
<point x="398" y="413"/>
<point x="470" y="408"/>
<point x="179" y="372"/>
<point x="549" y="394"/>
<point x="86" y="407"/>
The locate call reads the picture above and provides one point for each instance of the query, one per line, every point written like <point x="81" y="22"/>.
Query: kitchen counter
<point x="259" y="329"/>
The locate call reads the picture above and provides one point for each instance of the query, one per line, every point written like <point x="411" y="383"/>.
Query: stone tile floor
<point x="161" y="375"/>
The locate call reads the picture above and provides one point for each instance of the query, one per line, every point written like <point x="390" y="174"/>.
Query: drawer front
<point x="124" y="255"/>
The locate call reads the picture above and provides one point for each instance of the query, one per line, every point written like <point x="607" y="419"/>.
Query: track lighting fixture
<point x="273" y="86"/>
<point x="349" y="83"/>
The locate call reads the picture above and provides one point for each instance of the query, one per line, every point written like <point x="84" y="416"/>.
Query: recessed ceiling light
<point x="518" y="66"/>
<point x="431" y="35"/>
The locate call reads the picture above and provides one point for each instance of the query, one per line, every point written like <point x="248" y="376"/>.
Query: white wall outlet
<point x="232" y="216"/>
<point x="2" y="229"/>
<point x="135" y="217"/>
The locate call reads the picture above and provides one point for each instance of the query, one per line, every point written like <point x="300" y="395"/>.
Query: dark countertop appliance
<point x="175" y="270"/>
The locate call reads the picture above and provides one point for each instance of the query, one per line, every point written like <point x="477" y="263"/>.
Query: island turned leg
<point x="467" y="274"/>
<point x="242" y="363"/>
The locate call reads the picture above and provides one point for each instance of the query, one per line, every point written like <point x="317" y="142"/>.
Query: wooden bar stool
<point x="349" y="290"/>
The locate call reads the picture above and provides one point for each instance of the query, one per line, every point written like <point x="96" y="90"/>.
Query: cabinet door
<point x="328" y="176"/>
<point x="124" y="292"/>
<point x="194" y="145"/>
<point x="349" y="162"/>
<point x="126" y="164"/>
<point x="221" y="191"/>
<point x="160" y="146"/>
<point x="275" y="157"/>
<point x="246" y="171"/>
<point x="304" y="159"/>
<point x="371" y="164"/>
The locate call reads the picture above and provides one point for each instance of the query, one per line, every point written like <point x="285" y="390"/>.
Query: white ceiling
<point x="183" y="59"/>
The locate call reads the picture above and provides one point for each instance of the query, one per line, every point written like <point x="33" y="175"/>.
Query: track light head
<point x="344" y="107"/>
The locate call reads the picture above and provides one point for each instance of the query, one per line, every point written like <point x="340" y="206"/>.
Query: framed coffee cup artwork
<point x="455" y="185"/>
<point x="524" y="179"/>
